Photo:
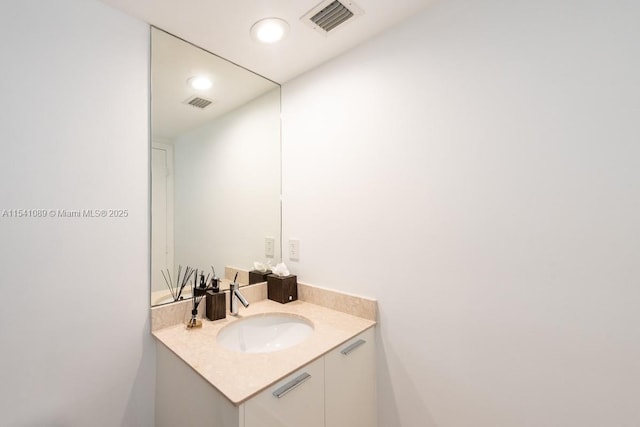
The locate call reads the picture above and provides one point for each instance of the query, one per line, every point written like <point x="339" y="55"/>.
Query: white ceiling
<point x="222" y="27"/>
<point x="174" y="61"/>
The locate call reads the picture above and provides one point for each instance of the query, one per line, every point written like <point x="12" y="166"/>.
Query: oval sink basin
<point x="265" y="333"/>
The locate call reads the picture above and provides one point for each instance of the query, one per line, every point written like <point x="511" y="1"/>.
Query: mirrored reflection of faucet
<point x="235" y="296"/>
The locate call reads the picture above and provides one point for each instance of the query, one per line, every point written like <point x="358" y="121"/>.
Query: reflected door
<point x="161" y="220"/>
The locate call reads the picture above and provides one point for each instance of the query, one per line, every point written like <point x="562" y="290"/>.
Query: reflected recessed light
<point x="200" y="83"/>
<point x="269" y="30"/>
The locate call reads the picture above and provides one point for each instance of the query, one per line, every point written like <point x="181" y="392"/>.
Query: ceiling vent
<point x="331" y="14"/>
<point x="198" y="102"/>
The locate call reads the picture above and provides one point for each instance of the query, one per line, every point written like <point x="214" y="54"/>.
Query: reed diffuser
<point x="181" y="281"/>
<point x="197" y="293"/>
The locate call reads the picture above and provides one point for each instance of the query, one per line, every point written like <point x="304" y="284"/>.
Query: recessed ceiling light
<point x="200" y="83"/>
<point x="269" y="30"/>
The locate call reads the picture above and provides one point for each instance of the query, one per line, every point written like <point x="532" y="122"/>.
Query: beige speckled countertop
<point x="238" y="375"/>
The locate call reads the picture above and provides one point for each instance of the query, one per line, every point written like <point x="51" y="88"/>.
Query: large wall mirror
<point x="215" y="163"/>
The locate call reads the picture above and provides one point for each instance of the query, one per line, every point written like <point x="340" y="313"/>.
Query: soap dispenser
<point x="216" y="303"/>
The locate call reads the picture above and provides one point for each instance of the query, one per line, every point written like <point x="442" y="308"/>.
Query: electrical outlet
<point x="269" y="247"/>
<point x="294" y="249"/>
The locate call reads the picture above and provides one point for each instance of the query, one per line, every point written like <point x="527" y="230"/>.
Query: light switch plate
<point x="269" y="247"/>
<point x="294" y="249"/>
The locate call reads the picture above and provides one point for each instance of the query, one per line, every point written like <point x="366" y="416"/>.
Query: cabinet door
<point x="185" y="399"/>
<point x="296" y="401"/>
<point x="350" y="383"/>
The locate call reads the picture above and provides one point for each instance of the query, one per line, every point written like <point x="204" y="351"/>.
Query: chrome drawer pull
<point x="291" y="385"/>
<point x="352" y="347"/>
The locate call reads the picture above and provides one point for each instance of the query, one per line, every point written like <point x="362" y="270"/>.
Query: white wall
<point x="476" y="170"/>
<point x="227" y="187"/>
<point x="76" y="348"/>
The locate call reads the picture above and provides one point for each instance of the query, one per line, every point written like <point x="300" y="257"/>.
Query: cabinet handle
<point x="352" y="347"/>
<point x="291" y="385"/>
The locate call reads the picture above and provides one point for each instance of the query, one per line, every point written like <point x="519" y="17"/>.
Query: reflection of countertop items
<point x="239" y="376"/>
<point x="164" y="296"/>
<point x="230" y="273"/>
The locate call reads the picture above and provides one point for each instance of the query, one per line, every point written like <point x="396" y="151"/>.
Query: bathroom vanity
<point x="216" y="184"/>
<point x="327" y="380"/>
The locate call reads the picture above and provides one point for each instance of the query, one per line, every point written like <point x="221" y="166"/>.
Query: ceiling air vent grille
<point x="330" y="14"/>
<point x="196" y="101"/>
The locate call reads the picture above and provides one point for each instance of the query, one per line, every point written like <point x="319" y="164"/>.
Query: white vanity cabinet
<point x="336" y="390"/>
<point x="296" y="401"/>
<point x="350" y="383"/>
